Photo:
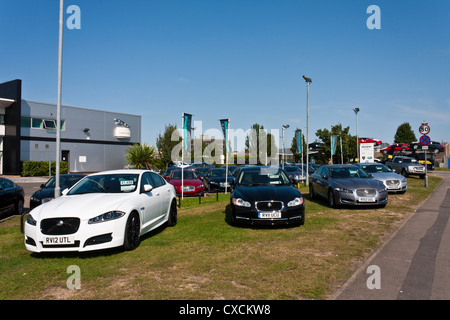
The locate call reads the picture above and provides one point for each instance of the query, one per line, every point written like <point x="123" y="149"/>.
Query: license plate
<point x="59" y="240"/>
<point x="393" y="187"/>
<point x="367" y="199"/>
<point x="269" y="215"/>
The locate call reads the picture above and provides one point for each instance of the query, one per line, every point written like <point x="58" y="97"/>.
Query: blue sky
<point x="239" y="59"/>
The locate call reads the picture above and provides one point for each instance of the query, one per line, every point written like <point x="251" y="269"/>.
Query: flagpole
<point x="58" y="104"/>
<point x="226" y="155"/>
<point x="182" y="157"/>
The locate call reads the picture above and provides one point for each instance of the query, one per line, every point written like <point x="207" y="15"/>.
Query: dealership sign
<point x="366" y="151"/>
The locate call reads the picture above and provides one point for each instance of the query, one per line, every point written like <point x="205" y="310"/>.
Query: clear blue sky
<point x="239" y="59"/>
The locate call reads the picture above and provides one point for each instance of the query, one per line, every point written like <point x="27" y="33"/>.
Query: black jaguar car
<point x="47" y="190"/>
<point x="265" y="196"/>
<point x="217" y="179"/>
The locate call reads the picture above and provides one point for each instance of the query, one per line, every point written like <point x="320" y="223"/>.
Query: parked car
<point x="406" y="166"/>
<point x="421" y="159"/>
<point x="265" y="195"/>
<point x="434" y="147"/>
<point x="47" y="191"/>
<point x="103" y="210"/>
<point x="231" y="168"/>
<point x="201" y="171"/>
<point x="396" y="147"/>
<point x="393" y="181"/>
<point x="11" y="197"/>
<point x="192" y="185"/>
<point x="296" y="174"/>
<point x="217" y="180"/>
<point x="376" y="142"/>
<point x="166" y="174"/>
<point x="344" y="184"/>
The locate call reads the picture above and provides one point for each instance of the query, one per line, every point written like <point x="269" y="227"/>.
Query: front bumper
<point x="88" y="237"/>
<point x="355" y="199"/>
<point x="285" y="216"/>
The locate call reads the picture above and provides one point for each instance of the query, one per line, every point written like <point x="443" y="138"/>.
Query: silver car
<point x="347" y="185"/>
<point x="394" y="182"/>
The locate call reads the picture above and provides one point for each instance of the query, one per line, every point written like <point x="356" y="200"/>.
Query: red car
<point x="397" y="148"/>
<point x="369" y="140"/>
<point x="192" y="185"/>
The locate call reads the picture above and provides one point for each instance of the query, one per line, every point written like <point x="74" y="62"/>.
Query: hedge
<point x="40" y="168"/>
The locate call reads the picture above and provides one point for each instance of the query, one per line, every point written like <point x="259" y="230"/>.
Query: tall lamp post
<point x="308" y="81"/>
<point x="58" y="105"/>
<point x="357" y="138"/>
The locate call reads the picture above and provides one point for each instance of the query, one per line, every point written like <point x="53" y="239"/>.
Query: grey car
<point x="394" y="182"/>
<point x="347" y="185"/>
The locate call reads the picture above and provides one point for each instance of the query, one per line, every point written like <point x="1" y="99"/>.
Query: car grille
<point x="60" y="226"/>
<point x="269" y="205"/>
<point x="392" y="182"/>
<point x="366" y="192"/>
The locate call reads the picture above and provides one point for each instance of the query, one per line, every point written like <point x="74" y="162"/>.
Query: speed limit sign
<point x="424" y="129"/>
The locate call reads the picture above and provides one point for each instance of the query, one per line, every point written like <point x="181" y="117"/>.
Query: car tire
<point x="331" y="200"/>
<point x="132" y="232"/>
<point x="18" y="207"/>
<point x="404" y="173"/>
<point x="172" y="220"/>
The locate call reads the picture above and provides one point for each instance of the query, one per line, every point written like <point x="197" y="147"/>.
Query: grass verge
<point x="203" y="257"/>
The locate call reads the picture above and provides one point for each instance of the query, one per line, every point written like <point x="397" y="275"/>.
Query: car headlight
<point x="382" y="189"/>
<point x="31" y="221"/>
<point x="341" y="189"/>
<point x="241" y="203"/>
<point x="108" y="216"/>
<point x="295" y="202"/>
<point x="200" y="186"/>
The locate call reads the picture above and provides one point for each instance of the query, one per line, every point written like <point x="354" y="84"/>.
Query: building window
<point x="40" y="123"/>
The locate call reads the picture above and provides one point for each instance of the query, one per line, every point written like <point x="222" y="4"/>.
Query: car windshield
<point x="220" y="173"/>
<point x="263" y="176"/>
<point x="187" y="175"/>
<point x="408" y="160"/>
<point x="347" y="172"/>
<point x="64" y="181"/>
<point x="107" y="183"/>
<point x="291" y="169"/>
<point x="373" y="168"/>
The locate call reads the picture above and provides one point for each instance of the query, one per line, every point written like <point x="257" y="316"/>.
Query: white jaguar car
<point x="103" y="210"/>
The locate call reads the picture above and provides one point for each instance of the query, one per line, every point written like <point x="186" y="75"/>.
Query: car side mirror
<point x="370" y="175"/>
<point x="325" y="177"/>
<point x="65" y="191"/>
<point x="42" y="186"/>
<point x="147" y="188"/>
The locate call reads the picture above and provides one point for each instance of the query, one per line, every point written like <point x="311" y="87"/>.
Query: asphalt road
<point x="414" y="264"/>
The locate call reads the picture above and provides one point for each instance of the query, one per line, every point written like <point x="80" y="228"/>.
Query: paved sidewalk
<point x="414" y="264"/>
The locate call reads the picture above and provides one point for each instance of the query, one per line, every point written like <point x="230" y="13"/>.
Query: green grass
<point x="203" y="257"/>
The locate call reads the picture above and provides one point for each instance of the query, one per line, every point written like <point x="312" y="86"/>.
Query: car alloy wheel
<point x="172" y="220"/>
<point x="132" y="232"/>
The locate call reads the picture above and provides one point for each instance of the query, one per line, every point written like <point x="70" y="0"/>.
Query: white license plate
<point x="269" y="215"/>
<point x="59" y="240"/>
<point x="393" y="187"/>
<point x="367" y="199"/>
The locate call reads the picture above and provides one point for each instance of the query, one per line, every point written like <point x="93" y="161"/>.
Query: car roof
<point x="122" y="171"/>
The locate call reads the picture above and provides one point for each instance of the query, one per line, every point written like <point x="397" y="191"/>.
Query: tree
<point x="141" y="156"/>
<point x="348" y="144"/>
<point x="404" y="134"/>
<point x="165" y="144"/>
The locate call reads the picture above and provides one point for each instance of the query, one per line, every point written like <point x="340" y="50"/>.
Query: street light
<point x="308" y="81"/>
<point x="357" y="138"/>
<point x="285" y="126"/>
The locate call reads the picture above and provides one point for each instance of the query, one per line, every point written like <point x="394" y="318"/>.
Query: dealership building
<point x="91" y="140"/>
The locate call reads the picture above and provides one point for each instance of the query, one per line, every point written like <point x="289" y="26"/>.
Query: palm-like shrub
<point x="141" y="156"/>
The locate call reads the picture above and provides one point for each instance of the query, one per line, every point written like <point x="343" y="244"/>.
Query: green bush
<point x="40" y="168"/>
